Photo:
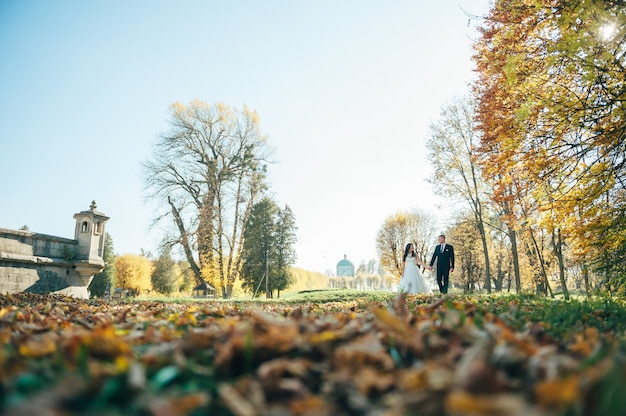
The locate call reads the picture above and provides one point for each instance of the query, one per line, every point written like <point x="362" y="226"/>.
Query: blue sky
<point x="345" y="90"/>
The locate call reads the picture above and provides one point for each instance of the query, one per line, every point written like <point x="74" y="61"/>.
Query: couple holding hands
<point x="414" y="281"/>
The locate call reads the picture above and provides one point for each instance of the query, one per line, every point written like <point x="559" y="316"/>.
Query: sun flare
<point x="607" y="31"/>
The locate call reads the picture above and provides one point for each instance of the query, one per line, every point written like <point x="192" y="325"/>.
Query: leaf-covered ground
<point x="419" y="355"/>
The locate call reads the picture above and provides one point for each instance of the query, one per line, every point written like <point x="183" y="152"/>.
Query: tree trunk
<point x="557" y="244"/>
<point x="514" y="252"/>
<point x="586" y="279"/>
<point x="500" y="273"/>
<point x="184" y="241"/>
<point x="267" y="278"/>
<point x="220" y="245"/>
<point x="234" y="259"/>
<point x="542" y="265"/>
<point x="205" y="234"/>
<point x="483" y="237"/>
<point x="515" y="257"/>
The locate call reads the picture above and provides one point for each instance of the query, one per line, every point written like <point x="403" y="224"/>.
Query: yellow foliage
<point x="306" y="280"/>
<point x="133" y="272"/>
<point x="210" y="275"/>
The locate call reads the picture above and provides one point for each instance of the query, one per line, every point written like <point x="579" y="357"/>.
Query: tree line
<point x="535" y="155"/>
<point x="533" y="160"/>
<point x="145" y="274"/>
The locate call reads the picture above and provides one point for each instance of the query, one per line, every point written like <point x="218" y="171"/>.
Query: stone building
<point x="345" y="267"/>
<point x="40" y="263"/>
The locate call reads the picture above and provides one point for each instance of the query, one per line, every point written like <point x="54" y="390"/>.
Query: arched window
<point x="85" y="227"/>
<point x="98" y="227"/>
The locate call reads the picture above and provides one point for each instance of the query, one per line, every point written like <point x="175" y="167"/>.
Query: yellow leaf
<point x="37" y="348"/>
<point x="465" y="403"/>
<point x="557" y="393"/>
<point x="186" y="318"/>
<point x="121" y="364"/>
<point x="412" y="379"/>
<point x="322" y="337"/>
<point x="104" y="342"/>
<point x="389" y="320"/>
<point x="4" y="312"/>
<point x="462" y="403"/>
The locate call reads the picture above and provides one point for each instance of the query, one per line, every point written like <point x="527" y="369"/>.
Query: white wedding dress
<point x="413" y="280"/>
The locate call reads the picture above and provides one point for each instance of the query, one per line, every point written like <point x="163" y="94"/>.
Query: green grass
<point x="556" y="315"/>
<point x="317" y="296"/>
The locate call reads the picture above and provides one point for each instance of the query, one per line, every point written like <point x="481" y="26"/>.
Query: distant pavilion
<point x="345" y="267"/>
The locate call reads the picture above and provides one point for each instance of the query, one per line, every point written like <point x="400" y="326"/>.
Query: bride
<point x="413" y="281"/>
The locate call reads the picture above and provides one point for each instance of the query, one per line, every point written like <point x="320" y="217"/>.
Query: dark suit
<point x="445" y="262"/>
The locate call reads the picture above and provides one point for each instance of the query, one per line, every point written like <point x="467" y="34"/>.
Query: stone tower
<point x="90" y="233"/>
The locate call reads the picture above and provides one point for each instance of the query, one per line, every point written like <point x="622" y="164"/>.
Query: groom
<point x="444" y="253"/>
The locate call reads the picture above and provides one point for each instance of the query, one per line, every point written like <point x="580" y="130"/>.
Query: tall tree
<point x="451" y="145"/>
<point x="285" y="245"/>
<point x="104" y="281"/>
<point x="259" y="248"/>
<point x="269" y="237"/>
<point x="550" y="93"/>
<point x="467" y="248"/>
<point x="497" y="122"/>
<point x="165" y="273"/>
<point x="207" y="172"/>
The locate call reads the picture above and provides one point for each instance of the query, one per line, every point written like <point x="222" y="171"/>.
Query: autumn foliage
<point x="132" y="272"/>
<point x="418" y="355"/>
<point x="550" y="110"/>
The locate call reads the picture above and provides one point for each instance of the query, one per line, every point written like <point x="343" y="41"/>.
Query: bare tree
<point x="206" y="172"/>
<point x="397" y="231"/>
<point x="451" y="147"/>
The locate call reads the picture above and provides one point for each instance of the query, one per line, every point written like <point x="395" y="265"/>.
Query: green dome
<point x="345" y="263"/>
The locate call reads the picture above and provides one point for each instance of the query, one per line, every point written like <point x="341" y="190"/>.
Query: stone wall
<point x="40" y="263"/>
<point x="27" y="243"/>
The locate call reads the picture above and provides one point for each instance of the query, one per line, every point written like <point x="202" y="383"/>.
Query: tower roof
<point x="92" y="212"/>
